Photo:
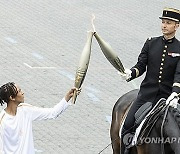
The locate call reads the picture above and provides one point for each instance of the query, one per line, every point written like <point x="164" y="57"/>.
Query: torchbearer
<point x="16" y="118"/>
<point x="83" y="65"/>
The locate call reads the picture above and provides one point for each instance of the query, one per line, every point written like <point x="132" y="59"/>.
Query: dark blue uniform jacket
<point x="160" y="59"/>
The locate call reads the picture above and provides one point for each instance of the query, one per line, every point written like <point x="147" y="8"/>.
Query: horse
<point x="171" y="129"/>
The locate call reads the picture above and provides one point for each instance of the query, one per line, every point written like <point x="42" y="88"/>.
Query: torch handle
<point x="74" y="97"/>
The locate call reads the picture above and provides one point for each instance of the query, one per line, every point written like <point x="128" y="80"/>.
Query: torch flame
<point x="92" y="22"/>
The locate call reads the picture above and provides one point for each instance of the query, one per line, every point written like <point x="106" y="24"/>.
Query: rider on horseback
<point x="160" y="58"/>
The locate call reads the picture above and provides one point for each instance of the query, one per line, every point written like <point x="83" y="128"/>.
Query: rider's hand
<point x="71" y="92"/>
<point x="126" y="75"/>
<point x="172" y="100"/>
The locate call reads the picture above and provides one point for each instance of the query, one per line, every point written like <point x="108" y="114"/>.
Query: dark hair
<point x="7" y="90"/>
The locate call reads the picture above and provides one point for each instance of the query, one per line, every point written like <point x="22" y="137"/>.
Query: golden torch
<point x="107" y="50"/>
<point x="83" y="65"/>
<point x="109" y="53"/>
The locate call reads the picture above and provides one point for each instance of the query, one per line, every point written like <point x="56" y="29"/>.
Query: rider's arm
<point x="176" y="84"/>
<point x="140" y="66"/>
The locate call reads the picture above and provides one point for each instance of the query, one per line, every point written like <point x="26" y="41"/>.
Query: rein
<point x="124" y="116"/>
<point x="108" y="145"/>
<point x="162" y="125"/>
<point x="159" y="110"/>
<point x="114" y="141"/>
<point x="152" y="119"/>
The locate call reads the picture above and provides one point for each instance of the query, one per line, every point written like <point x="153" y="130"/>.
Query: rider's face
<point x="169" y="27"/>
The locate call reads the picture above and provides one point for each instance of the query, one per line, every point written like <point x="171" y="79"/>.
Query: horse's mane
<point x="175" y="112"/>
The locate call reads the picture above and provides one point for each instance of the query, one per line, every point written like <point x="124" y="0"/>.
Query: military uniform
<point x="161" y="59"/>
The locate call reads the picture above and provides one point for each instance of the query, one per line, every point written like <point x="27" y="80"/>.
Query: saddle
<point x="151" y="119"/>
<point x="145" y="119"/>
<point x="142" y="112"/>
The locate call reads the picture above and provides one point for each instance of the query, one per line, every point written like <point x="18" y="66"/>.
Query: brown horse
<point x="171" y="129"/>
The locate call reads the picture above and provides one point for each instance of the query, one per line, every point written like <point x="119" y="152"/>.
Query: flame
<point x="92" y="22"/>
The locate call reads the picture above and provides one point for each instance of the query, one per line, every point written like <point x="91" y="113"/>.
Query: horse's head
<point x="169" y="132"/>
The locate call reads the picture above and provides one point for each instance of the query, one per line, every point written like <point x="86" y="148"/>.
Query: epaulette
<point x="149" y="38"/>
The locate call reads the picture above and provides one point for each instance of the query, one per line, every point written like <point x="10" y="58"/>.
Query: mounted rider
<point x="160" y="58"/>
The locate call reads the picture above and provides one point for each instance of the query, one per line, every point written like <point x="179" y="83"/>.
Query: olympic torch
<point x="83" y="65"/>
<point x="109" y="53"/>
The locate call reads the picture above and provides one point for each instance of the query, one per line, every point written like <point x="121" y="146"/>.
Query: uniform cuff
<point x="135" y="72"/>
<point x="176" y="88"/>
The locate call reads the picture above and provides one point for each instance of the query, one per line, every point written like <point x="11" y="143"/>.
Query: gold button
<point x="161" y="68"/>
<point x="160" y="72"/>
<point x="160" y="76"/>
<point x="165" y="46"/>
<point x="162" y="64"/>
<point x="159" y="81"/>
<point x="164" y="51"/>
<point x="163" y="55"/>
<point x="162" y="59"/>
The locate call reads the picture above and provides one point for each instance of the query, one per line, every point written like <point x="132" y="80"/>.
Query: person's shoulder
<point x="177" y="43"/>
<point x="2" y="113"/>
<point x="154" y="38"/>
<point x="25" y="108"/>
<point x="149" y="38"/>
<point x="177" y="40"/>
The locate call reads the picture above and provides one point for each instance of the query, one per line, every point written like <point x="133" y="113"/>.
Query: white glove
<point x="172" y="100"/>
<point x="126" y="75"/>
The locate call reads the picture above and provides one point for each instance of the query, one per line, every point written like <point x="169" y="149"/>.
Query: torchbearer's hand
<point x="71" y="92"/>
<point x="172" y="100"/>
<point x="126" y="75"/>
